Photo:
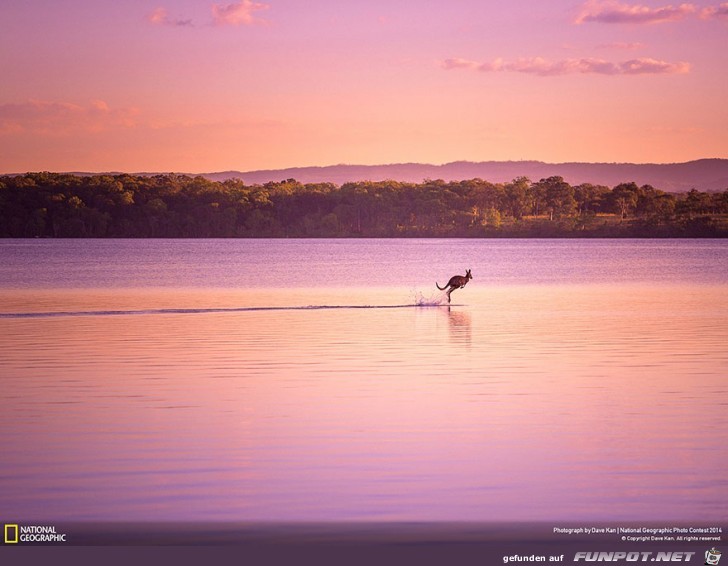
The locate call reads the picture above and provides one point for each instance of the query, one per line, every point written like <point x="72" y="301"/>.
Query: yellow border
<point x="8" y="528"/>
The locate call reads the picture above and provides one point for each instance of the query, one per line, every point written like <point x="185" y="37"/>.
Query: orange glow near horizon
<point x="202" y="86"/>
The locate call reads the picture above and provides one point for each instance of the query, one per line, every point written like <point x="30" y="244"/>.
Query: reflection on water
<point x="515" y="403"/>
<point x="460" y="325"/>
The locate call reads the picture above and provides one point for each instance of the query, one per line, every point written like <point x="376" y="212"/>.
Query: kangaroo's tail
<point x="441" y="288"/>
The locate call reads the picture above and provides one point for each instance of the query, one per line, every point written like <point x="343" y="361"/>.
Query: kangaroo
<point x="456" y="282"/>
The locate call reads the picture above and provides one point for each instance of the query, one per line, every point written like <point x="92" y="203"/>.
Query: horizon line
<point x="331" y="166"/>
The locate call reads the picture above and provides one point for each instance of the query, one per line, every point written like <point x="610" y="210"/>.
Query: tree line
<point x="178" y="206"/>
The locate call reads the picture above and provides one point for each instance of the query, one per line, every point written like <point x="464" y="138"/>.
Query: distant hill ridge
<point x="701" y="174"/>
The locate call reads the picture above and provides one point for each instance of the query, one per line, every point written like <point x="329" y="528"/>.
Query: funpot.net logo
<point x="622" y="556"/>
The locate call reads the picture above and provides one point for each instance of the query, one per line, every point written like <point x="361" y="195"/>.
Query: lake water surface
<point x="329" y="380"/>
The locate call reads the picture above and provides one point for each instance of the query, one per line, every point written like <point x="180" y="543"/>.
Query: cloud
<point x="238" y="13"/>
<point x="160" y="17"/>
<point x="63" y="118"/>
<point x="544" y="67"/>
<point x="614" y="12"/>
<point x="647" y="66"/>
<point x="627" y="46"/>
<point x="458" y="63"/>
<point x="715" y="12"/>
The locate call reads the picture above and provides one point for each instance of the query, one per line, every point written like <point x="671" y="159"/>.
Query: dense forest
<point x="177" y="206"/>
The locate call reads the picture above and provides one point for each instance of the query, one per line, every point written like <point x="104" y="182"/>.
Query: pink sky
<point x="200" y="86"/>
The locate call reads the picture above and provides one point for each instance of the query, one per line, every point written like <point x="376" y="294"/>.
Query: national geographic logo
<point x="15" y="534"/>
<point x="11" y="534"/>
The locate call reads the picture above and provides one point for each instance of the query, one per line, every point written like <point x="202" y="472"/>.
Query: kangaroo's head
<point x="468" y="275"/>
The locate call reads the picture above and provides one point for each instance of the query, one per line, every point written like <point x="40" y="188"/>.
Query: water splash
<point x="436" y="300"/>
